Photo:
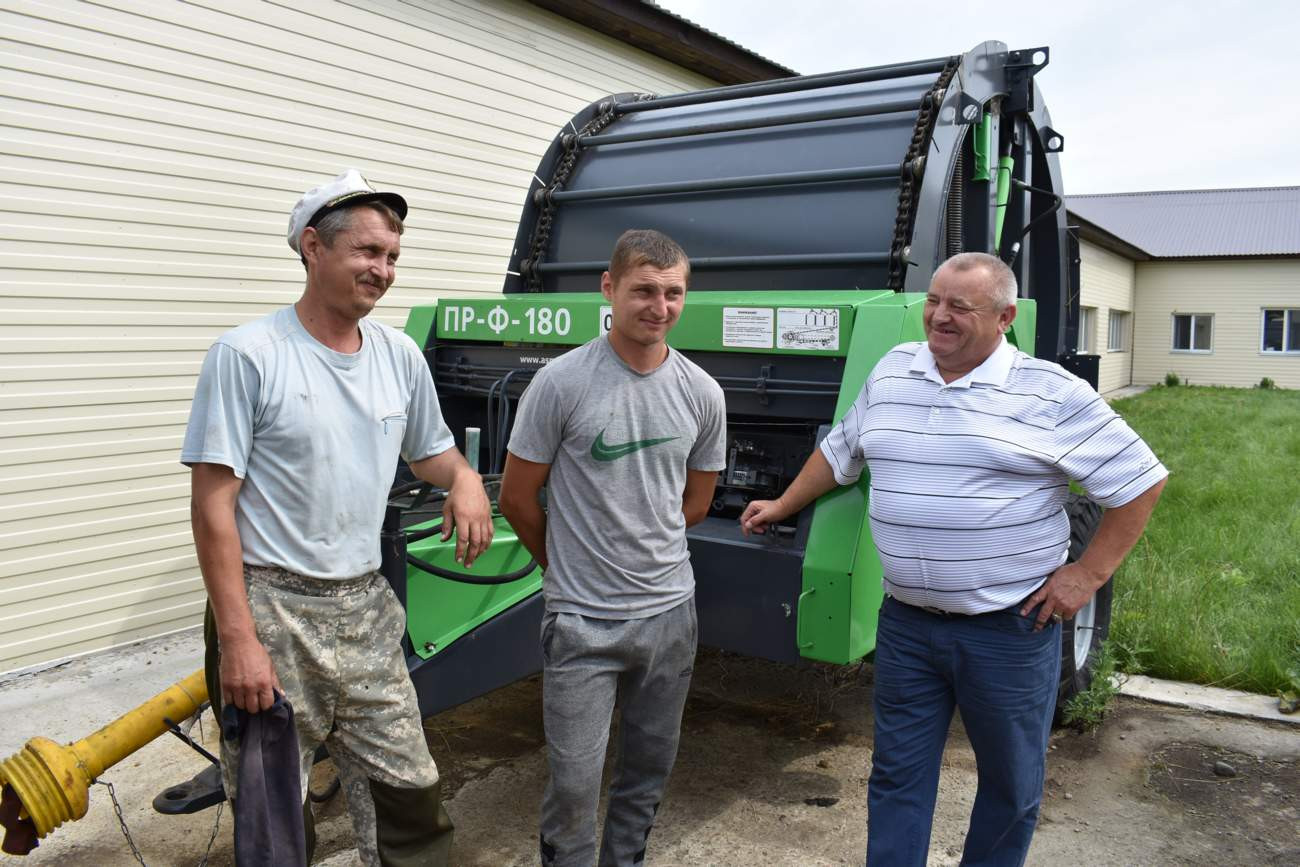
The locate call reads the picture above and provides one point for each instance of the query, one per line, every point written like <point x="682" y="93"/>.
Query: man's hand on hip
<point x="247" y="675"/>
<point x="1068" y="588"/>
<point x="1064" y="592"/>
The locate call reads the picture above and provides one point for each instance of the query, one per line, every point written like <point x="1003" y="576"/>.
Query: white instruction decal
<point x="808" y="328"/>
<point x="750" y="327"/>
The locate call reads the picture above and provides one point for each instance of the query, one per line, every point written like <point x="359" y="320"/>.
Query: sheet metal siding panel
<point x="1190" y="223"/>
<point x="1107" y="284"/>
<point x="151" y="152"/>
<point x="1234" y="292"/>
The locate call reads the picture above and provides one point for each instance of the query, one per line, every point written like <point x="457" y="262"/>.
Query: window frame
<point x="1287" y="314"/>
<point x="1191" y="333"/>
<point x="1124" y="318"/>
<point x="1087" y="336"/>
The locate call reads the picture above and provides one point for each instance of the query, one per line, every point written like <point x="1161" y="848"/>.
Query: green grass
<point x="1211" y="593"/>
<point x="1086" y="710"/>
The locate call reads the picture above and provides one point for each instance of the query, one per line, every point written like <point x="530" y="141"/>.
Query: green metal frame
<point x="841" y="573"/>
<point x="439" y="611"/>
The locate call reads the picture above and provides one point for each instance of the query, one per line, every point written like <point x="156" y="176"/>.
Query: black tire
<point x="1083" y="635"/>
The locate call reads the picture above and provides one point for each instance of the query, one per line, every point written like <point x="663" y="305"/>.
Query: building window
<point x="1087" y="329"/>
<point x="1118" y="331"/>
<point x="1192" y="332"/>
<point x="1281" y="332"/>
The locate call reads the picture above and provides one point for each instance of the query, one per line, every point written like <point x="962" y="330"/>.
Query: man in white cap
<point x="297" y="424"/>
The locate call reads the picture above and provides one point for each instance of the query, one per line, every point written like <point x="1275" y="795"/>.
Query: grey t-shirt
<point x="315" y="435"/>
<point x="619" y="444"/>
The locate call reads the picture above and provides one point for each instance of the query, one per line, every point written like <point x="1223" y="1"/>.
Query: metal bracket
<point x="193" y="744"/>
<point x="798" y="622"/>
<point x="201" y="791"/>
<point x="760" y="388"/>
<point x="1031" y="59"/>
<point x="1053" y="141"/>
<point x="969" y="109"/>
<point x="1021" y="67"/>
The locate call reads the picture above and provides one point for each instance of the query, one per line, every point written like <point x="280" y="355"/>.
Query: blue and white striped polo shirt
<point x="968" y="479"/>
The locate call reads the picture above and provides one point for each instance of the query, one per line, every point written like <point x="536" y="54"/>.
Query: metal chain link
<point x="121" y="820"/>
<point x="212" y="838"/>
<point x="126" y="832"/>
<point x="541" y="239"/>
<point x="913" y="169"/>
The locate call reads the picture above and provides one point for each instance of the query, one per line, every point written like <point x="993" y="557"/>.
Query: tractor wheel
<point x="1083" y="635"/>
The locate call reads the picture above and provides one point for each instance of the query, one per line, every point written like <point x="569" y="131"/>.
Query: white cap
<point x="348" y="188"/>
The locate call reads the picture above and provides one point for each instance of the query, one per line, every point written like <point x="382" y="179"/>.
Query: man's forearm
<point x="446" y="470"/>
<point x="529" y="523"/>
<point x="216" y="539"/>
<point x="1118" y="532"/>
<point x="815" y="479"/>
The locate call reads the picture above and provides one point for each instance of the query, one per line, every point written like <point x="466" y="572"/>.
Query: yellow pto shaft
<point x="52" y="782"/>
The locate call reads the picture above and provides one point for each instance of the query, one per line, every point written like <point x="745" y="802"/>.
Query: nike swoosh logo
<point x="602" y="451"/>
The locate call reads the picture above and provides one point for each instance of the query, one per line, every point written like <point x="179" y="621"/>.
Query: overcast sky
<point x="1149" y="94"/>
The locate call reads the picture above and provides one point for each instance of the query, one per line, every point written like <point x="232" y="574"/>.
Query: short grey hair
<point x="340" y="220"/>
<point x="1002" y="279"/>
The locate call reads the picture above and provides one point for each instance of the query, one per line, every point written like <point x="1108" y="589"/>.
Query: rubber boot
<point x="411" y="827"/>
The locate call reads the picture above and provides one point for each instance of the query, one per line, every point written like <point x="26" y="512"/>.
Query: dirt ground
<point x="772" y="771"/>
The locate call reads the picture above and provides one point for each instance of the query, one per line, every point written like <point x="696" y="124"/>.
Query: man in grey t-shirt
<point x="629" y="437"/>
<point x="297" y="424"/>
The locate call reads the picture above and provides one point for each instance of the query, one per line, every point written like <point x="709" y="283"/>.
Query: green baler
<point x="814" y="211"/>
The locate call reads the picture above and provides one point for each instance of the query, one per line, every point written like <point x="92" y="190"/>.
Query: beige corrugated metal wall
<point x="1234" y="292"/>
<point x="1107" y="284"/>
<point x="151" y="151"/>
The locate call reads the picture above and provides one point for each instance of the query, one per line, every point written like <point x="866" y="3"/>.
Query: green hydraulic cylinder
<point x="983" y="147"/>
<point x="1005" y="165"/>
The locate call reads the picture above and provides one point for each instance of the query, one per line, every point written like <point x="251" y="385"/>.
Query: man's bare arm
<point x="815" y="479"/>
<point x="466" y="509"/>
<point x="1070" y="587"/>
<point x="698" y="495"/>
<point x="519" y="488"/>
<point x="247" y="674"/>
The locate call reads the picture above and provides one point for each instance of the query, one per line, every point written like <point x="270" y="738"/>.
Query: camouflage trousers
<point x="336" y="649"/>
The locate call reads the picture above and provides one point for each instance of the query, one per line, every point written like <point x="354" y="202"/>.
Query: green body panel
<point x="841" y="589"/>
<point x="439" y="611"/>
<point x="419" y="324"/>
<point x="1022" y="331"/>
<point x="778" y="323"/>
<point x="841" y="573"/>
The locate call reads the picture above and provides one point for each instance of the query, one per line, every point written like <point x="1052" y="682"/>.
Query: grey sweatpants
<point x="645" y="665"/>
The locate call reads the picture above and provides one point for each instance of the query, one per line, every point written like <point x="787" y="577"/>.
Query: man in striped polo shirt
<point x="971" y="446"/>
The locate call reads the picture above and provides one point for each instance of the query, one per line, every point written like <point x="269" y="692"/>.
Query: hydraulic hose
<point x="465" y="577"/>
<point x="1014" y="252"/>
<point x="424" y="492"/>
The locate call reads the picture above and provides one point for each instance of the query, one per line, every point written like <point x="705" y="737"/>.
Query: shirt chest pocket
<point x="393" y="424"/>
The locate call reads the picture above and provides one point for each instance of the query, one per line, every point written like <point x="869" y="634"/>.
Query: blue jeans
<point x="1003" y="677"/>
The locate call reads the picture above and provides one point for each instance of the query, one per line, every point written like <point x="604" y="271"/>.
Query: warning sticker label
<point x="748" y="327"/>
<point x="808" y="328"/>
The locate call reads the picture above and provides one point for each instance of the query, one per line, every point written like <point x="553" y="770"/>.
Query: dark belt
<point x="930" y="609"/>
